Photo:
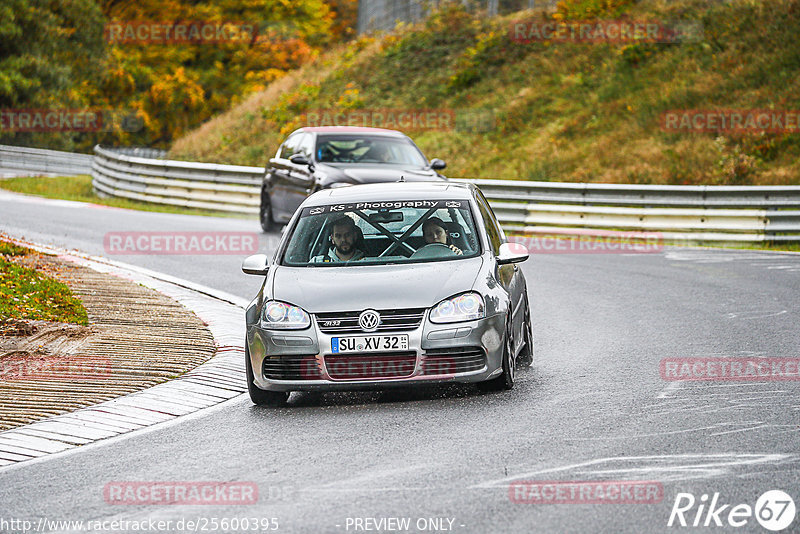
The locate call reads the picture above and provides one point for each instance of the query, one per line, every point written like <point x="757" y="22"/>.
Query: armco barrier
<point x="209" y="186"/>
<point x="23" y="160"/>
<point x="744" y="214"/>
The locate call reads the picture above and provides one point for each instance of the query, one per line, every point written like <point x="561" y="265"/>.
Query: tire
<point x="265" y="213"/>
<point x="258" y="395"/>
<point x="525" y="358"/>
<point x="506" y="379"/>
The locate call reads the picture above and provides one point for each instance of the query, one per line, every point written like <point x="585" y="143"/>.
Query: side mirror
<point x="437" y="164"/>
<point x="257" y="264"/>
<point x="512" y="253"/>
<point x="300" y="159"/>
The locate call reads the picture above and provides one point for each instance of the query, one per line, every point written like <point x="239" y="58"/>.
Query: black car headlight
<point x="464" y="307"/>
<point x="280" y="315"/>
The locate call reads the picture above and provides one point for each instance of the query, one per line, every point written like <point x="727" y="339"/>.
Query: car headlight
<point x="465" y="307"/>
<point x="278" y="314"/>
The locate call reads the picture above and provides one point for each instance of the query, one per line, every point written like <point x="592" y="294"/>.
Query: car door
<point x="509" y="276"/>
<point x="279" y="178"/>
<point x="300" y="179"/>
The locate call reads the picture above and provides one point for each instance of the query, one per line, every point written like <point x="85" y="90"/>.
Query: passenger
<point x="435" y="231"/>
<point x="378" y="152"/>
<point x="344" y="237"/>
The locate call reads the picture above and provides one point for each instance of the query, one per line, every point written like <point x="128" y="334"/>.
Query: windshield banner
<point x="388" y="204"/>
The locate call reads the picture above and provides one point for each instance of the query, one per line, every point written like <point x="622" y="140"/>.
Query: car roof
<point x="442" y="190"/>
<point x="349" y="130"/>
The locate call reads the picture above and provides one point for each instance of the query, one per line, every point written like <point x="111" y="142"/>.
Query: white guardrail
<point x="745" y="214"/>
<point x="679" y="213"/>
<point x="232" y="188"/>
<point x="32" y="161"/>
<point x="698" y="213"/>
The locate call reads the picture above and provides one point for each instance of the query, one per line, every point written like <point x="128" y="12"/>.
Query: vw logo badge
<point x="369" y="320"/>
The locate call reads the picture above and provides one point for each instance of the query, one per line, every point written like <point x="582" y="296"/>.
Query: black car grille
<point x="295" y="367"/>
<point x="449" y="361"/>
<point x="359" y="366"/>
<point x="347" y="322"/>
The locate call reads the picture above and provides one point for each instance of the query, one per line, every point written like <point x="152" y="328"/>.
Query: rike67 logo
<point x="774" y="510"/>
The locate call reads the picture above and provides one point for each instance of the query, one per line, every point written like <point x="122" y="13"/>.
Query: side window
<point x="290" y="146"/>
<point x="306" y="145"/>
<point x="496" y="235"/>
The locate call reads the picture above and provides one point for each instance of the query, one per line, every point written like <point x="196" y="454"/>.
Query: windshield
<point x="366" y="149"/>
<point x="376" y="233"/>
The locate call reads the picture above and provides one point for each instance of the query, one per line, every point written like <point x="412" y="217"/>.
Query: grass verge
<point x="28" y="294"/>
<point x="79" y="188"/>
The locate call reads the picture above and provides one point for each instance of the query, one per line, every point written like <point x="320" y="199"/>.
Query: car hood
<point x="382" y="287"/>
<point x="387" y="173"/>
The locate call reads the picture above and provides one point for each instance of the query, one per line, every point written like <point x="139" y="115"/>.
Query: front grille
<point x="295" y="367"/>
<point x="449" y="361"/>
<point x="359" y="365"/>
<point x="347" y="322"/>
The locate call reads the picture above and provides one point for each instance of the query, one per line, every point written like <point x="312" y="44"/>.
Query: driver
<point x="343" y="238"/>
<point x="435" y="231"/>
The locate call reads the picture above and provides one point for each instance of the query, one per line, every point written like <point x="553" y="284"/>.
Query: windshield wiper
<point x="384" y="231"/>
<point x="408" y="233"/>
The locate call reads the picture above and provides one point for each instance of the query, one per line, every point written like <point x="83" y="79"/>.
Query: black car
<point x="332" y="156"/>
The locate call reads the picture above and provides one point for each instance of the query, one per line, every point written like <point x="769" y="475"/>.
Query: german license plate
<point x="340" y="345"/>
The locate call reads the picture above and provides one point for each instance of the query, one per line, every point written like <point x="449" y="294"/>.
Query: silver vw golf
<point x="388" y="285"/>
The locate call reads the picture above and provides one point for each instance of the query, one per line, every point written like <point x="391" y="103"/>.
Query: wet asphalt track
<point x="593" y="406"/>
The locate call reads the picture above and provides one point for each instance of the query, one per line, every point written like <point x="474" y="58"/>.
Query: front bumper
<point x="301" y="360"/>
